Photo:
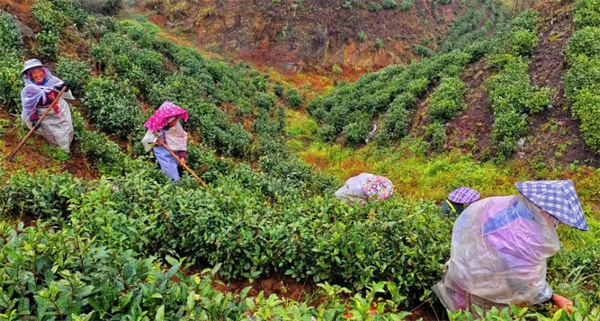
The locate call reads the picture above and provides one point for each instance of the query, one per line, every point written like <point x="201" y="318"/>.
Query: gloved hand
<point x="35" y="124"/>
<point x="64" y="84"/>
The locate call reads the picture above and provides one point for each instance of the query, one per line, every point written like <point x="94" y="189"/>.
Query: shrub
<point x="390" y="4"/>
<point x="446" y="100"/>
<point x="406" y="5"/>
<point x="508" y="128"/>
<point x="76" y="72"/>
<point x="10" y="37"/>
<point x="327" y="133"/>
<point x="436" y="133"/>
<point x="265" y="101"/>
<point x="584" y="42"/>
<point x="362" y="36"/>
<point x="48" y="48"/>
<point x="422" y="51"/>
<point x="112" y="105"/>
<point x="379" y="43"/>
<point x="585" y="108"/>
<point x="587" y="13"/>
<point x="278" y="90"/>
<point x="293" y="99"/>
<point x="375" y="7"/>
<point x="356" y="132"/>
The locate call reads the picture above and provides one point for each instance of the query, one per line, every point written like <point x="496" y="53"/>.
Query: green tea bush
<point x="356" y="132"/>
<point x="72" y="11"/>
<point x="76" y="72"/>
<point x="406" y="5"/>
<point x="422" y="51"/>
<point x="10" y="37"/>
<point x="265" y="101"/>
<point x="278" y="90"/>
<point x="375" y="7"/>
<point x="446" y="100"/>
<point x="112" y="105"/>
<point x="583" y="78"/>
<point x="389" y="4"/>
<point x="39" y="195"/>
<point x="10" y="65"/>
<point x="436" y="133"/>
<point x="587" y="14"/>
<point x="293" y="98"/>
<point x="512" y="97"/>
<point x="327" y="133"/>
<point x="584" y="42"/>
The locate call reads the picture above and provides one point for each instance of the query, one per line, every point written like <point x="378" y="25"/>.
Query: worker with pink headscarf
<point x="165" y="130"/>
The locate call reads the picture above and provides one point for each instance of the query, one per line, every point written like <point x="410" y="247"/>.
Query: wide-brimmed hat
<point x="557" y="198"/>
<point x="29" y="64"/>
<point x="463" y="195"/>
<point x="378" y="186"/>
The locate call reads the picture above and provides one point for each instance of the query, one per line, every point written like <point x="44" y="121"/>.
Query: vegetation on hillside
<point x="130" y="245"/>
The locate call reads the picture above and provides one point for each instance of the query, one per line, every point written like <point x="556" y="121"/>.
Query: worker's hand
<point x="182" y="161"/>
<point x="35" y="124"/>
<point x="64" y="84"/>
<point x="562" y="303"/>
<point x="159" y="142"/>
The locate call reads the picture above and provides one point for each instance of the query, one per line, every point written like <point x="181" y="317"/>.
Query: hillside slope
<point x="497" y="98"/>
<point x="293" y="36"/>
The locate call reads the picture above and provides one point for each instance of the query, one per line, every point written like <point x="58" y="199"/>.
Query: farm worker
<point x="457" y="201"/>
<point x="363" y="186"/>
<point x="165" y="130"/>
<point x="41" y="88"/>
<point x="500" y="246"/>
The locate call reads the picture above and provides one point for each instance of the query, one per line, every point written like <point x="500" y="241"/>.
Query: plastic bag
<point x="499" y="251"/>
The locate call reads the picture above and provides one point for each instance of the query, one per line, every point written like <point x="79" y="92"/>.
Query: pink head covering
<point x="167" y="111"/>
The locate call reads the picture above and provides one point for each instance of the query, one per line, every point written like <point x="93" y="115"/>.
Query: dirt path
<point x="555" y="135"/>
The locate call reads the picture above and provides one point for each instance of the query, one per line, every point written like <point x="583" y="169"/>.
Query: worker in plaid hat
<point x="500" y="246"/>
<point x="457" y="200"/>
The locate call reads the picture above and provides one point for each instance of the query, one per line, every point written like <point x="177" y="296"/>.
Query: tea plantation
<point x="131" y="245"/>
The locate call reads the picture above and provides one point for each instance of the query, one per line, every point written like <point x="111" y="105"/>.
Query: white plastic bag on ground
<point x="499" y="251"/>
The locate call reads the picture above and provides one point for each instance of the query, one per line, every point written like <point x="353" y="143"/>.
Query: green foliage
<point x="362" y="36"/>
<point x="519" y="38"/>
<point x="446" y="100"/>
<point x="587" y="14"/>
<point x="379" y="43"/>
<point x="48" y="48"/>
<point x="327" y="133"/>
<point x="583" y="79"/>
<point x="375" y="7"/>
<point x="436" y="133"/>
<point x="356" y="132"/>
<point x="10" y="37"/>
<point x="293" y="98"/>
<point x="265" y="101"/>
<point x="389" y="4"/>
<point x="512" y="96"/>
<point x="112" y="105"/>
<point x="422" y="51"/>
<point x="584" y="42"/>
<point x="278" y="90"/>
<point x="406" y="5"/>
<point x="75" y="72"/>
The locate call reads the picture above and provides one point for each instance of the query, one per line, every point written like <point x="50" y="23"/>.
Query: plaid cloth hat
<point x="558" y="198"/>
<point x="463" y="195"/>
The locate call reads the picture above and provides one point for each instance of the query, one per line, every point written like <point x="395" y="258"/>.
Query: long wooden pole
<point x="54" y="102"/>
<point x="183" y="165"/>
